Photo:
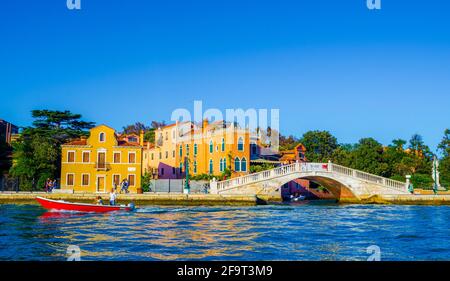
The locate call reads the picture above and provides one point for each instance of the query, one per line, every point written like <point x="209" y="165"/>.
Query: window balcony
<point x="102" y="166"/>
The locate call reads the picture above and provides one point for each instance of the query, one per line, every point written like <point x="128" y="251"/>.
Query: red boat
<point x="61" y="205"/>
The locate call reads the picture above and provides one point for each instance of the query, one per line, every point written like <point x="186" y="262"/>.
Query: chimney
<point x="141" y="138"/>
<point x="205" y="124"/>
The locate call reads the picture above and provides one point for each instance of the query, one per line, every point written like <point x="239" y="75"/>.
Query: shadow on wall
<point x="308" y="187"/>
<point x="169" y="172"/>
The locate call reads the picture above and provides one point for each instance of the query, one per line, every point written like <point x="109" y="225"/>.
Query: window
<point x="167" y="154"/>
<point x="102" y="137"/>
<point x="237" y="164"/>
<point x="195" y="167"/>
<point x="224" y="164"/>
<point x="71" y="156"/>
<point x="181" y="150"/>
<point x="241" y="144"/>
<point x="85" y="179"/>
<point x="243" y="165"/>
<point x="116" y="157"/>
<point x="221" y="165"/>
<point x="195" y="149"/>
<point x="86" y="157"/>
<point x="152" y="156"/>
<point x="211" y="166"/>
<point x="211" y="146"/>
<point x="174" y="171"/>
<point x="101" y="159"/>
<point x="181" y="167"/>
<point x="223" y="144"/>
<point x="160" y="155"/>
<point x="132" y="157"/>
<point x="132" y="139"/>
<point x="131" y="179"/>
<point x="70" y="179"/>
<point x="173" y="153"/>
<point x="167" y="135"/>
<point x="162" y="171"/>
<point x="253" y="145"/>
<point x="187" y="149"/>
<point x="116" y="180"/>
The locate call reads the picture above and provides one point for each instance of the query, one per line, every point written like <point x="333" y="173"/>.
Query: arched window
<point x="102" y="137"/>
<point x="221" y="165"/>
<point x="223" y="145"/>
<point x="241" y="144"/>
<point x="211" y="146"/>
<point x="195" y="167"/>
<point x="224" y="164"/>
<point x="195" y="149"/>
<point x="181" y="150"/>
<point x="211" y="166"/>
<point x="243" y="165"/>
<point x="187" y="149"/>
<point x="237" y="164"/>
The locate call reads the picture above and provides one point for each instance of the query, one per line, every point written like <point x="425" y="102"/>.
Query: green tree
<point x="368" y="156"/>
<point x="288" y="143"/>
<point x="444" y="167"/>
<point x="320" y="145"/>
<point x="37" y="152"/>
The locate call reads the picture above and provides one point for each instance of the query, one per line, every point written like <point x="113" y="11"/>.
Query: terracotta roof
<point x="125" y="143"/>
<point x="77" y="142"/>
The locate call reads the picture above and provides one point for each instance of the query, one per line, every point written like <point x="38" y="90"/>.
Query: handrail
<point x="308" y="167"/>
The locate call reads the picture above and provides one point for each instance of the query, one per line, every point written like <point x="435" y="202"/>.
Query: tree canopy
<point x="37" y="152"/>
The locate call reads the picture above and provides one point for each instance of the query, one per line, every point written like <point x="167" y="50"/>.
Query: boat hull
<point x="50" y="204"/>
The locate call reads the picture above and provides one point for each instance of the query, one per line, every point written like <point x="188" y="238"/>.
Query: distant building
<point x="8" y="131"/>
<point x="211" y="148"/>
<point x="98" y="163"/>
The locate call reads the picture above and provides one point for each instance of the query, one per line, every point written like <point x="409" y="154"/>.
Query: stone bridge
<point x="344" y="183"/>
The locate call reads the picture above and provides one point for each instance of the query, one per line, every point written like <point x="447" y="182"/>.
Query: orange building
<point x="211" y="148"/>
<point x="101" y="161"/>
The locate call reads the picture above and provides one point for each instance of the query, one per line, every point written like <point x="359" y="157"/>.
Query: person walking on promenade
<point x="112" y="197"/>
<point x="47" y="185"/>
<point x="124" y="186"/>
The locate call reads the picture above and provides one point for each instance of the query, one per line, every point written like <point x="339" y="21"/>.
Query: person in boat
<point x="124" y="186"/>
<point x="112" y="197"/>
<point x="99" y="200"/>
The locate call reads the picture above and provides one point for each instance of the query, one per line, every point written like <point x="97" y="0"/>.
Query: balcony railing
<point x="102" y="166"/>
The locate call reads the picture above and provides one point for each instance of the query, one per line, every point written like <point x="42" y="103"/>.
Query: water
<point x="275" y="232"/>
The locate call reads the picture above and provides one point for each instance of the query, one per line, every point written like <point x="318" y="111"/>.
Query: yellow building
<point x="104" y="159"/>
<point x="211" y="149"/>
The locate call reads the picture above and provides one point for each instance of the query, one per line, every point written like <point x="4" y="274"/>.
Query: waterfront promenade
<point x="443" y="198"/>
<point x="139" y="199"/>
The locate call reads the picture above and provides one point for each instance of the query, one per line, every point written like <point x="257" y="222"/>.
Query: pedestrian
<point x="112" y="197"/>
<point x="124" y="186"/>
<point x="47" y="185"/>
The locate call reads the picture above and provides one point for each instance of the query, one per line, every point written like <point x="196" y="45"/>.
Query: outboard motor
<point x="131" y="206"/>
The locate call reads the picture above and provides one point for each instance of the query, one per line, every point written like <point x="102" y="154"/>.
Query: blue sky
<point x="328" y="65"/>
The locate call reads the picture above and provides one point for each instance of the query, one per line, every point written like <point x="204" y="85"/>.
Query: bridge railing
<point x="308" y="167"/>
<point x="398" y="185"/>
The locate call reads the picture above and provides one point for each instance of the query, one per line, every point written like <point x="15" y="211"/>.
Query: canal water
<point x="306" y="231"/>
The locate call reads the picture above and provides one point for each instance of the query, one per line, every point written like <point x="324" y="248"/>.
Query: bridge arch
<point x="338" y="189"/>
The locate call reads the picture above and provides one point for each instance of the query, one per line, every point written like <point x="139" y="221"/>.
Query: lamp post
<point x="409" y="185"/>
<point x="435" y="174"/>
<point x="186" y="183"/>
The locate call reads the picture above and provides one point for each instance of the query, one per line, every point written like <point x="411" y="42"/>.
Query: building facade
<point x="7" y="131"/>
<point x="98" y="163"/>
<point x="210" y="148"/>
